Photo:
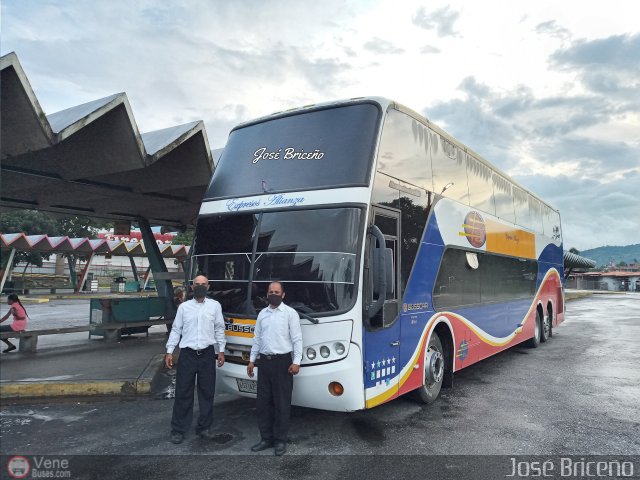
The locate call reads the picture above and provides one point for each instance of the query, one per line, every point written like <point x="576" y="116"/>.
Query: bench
<point x="29" y="338"/>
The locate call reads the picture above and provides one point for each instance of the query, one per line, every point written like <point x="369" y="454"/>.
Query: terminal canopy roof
<point x="571" y="260"/>
<point x="101" y="246"/>
<point x="91" y="160"/>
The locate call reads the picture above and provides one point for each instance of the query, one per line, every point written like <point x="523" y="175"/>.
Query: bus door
<point x="382" y="335"/>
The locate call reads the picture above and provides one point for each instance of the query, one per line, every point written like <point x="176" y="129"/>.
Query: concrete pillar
<point x="112" y="336"/>
<point x="28" y="344"/>
<point x="59" y="264"/>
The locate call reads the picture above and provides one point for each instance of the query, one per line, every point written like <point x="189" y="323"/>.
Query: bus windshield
<point x="312" y="252"/>
<point x="331" y="147"/>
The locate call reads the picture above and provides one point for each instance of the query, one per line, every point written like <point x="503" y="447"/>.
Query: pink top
<point x="19" y="317"/>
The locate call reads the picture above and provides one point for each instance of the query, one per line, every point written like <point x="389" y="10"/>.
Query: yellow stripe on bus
<point x="244" y="321"/>
<point x="510" y="241"/>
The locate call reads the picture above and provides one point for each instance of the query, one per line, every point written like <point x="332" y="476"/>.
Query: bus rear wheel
<point x="537" y="332"/>
<point x="545" y="331"/>
<point x="434" y="367"/>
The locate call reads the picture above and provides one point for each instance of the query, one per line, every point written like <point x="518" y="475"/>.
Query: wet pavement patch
<point x="368" y="430"/>
<point x="222" y="438"/>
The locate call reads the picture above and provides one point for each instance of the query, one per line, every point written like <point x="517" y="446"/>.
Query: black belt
<point x="273" y="356"/>
<point x="199" y="352"/>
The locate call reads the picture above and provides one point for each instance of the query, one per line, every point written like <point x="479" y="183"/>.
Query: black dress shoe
<point x="281" y="449"/>
<point x="176" y="437"/>
<point x="262" y="445"/>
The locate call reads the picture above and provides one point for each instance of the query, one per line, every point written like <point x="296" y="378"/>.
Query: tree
<point x="185" y="238"/>
<point x="29" y="222"/>
<point x="574" y="250"/>
<point x="621" y="264"/>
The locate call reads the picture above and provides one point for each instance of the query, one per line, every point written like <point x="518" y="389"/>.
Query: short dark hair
<point x="279" y="283"/>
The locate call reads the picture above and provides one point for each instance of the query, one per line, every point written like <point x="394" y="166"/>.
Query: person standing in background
<point x="178" y="298"/>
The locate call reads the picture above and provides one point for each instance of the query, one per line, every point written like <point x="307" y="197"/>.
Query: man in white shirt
<point x="200" y="323"/>
<point x="278" y="341"/>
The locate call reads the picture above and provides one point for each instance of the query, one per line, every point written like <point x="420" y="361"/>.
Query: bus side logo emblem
<point x="474" y="229"/>
<point x="463" y="350"/>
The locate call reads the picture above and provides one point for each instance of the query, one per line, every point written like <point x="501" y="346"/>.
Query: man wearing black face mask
<point x="278" y="341"/>
<point x="200" y="323"/>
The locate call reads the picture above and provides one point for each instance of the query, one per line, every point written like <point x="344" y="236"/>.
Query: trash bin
<point x="118" y="285"/>
<point x="88" y="283"/>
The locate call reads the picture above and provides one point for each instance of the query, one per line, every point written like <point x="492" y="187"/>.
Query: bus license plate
<point x="247" y="386"/>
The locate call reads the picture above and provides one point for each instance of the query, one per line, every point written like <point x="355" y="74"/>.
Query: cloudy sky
<point x="547" y="90"/>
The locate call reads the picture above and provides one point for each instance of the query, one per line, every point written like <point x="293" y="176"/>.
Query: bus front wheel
<point x="434" y="360"/>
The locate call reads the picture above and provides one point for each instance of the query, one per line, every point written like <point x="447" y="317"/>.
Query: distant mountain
<point x="607" y="255"/>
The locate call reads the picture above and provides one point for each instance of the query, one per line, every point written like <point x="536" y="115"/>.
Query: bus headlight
<point x="328" y="351"/>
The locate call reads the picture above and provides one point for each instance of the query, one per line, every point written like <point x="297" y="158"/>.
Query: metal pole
<point x="158" y="267"/>
<point x="7" y="271"/>
<point x="134" y="268"/>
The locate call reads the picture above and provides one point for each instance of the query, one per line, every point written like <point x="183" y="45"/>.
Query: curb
<point x="139" y="386"/>
<point x="576" y="295"/>
<point x="29" y="300"/>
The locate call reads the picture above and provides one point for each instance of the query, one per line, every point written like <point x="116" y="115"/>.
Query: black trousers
<point x="6" y="328"/>
<point x="274" y="397"/>
<point x="191" y="367"/>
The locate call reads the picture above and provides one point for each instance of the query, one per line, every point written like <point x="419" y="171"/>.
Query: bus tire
<point x="545" y="331"/>
<point x="537" y="332"/>
<point x="434" y="368"/>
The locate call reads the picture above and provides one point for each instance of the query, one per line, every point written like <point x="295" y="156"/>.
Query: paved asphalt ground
<point x="575" y="395"/>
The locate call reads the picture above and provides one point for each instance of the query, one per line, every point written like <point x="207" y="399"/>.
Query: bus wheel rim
<point x="435" y="367"/>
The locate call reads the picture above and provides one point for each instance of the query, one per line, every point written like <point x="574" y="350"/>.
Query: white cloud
<point x="547" y="90"/>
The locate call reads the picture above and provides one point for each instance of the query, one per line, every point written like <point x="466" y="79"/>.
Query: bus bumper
<point x="311" y="385"/>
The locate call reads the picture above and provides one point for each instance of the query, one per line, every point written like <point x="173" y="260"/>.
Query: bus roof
<point x="384" y="104"/>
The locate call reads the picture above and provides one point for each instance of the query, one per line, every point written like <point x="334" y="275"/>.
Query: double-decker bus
<point x="407" y="255"/>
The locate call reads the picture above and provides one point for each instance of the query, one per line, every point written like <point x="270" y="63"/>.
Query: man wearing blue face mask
<point x="278" y="341"/>
<point x="200" y="323"/>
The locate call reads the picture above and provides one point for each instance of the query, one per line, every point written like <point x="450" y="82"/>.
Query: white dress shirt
<point x="277" y="331"/>
<point x="201" y="324"/>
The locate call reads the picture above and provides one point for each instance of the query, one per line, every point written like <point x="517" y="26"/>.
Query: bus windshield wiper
<point x="308" y="317"/>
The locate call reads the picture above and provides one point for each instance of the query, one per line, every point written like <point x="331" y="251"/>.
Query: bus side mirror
<point x="381" y="269"/>
<point x="383" y="265"/>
